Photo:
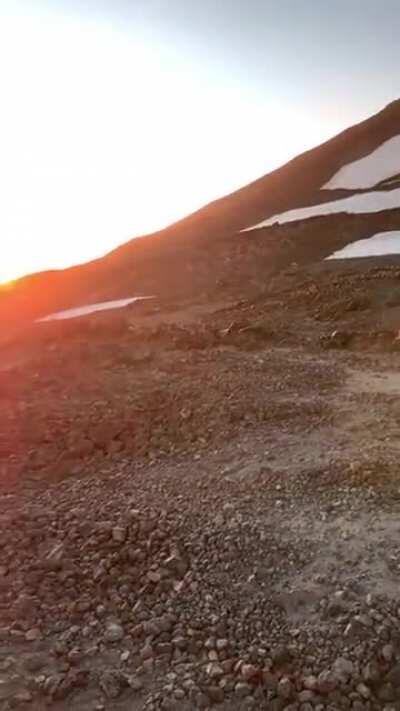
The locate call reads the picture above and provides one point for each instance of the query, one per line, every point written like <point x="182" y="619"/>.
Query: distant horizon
<point x="123" y="118"/>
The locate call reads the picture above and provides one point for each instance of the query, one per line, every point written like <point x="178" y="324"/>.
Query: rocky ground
<point x="200" y="503"/>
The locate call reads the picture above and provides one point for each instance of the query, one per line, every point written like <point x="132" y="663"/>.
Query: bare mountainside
<point x="186" y="257"/>
<point x="199" y="493"/>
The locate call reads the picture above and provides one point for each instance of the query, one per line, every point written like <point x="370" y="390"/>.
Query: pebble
<point x="388" y="652"/>
<point x="113" y="632"/>
<point x="343" y="667"/>
<point x="310" y="682"/>
<point x="327" y="682"/>
<point x="33" y="634"/>
<point x="285" y="688"/>
<point x="216" y="694"/>
<point x="249" y="671"/>
<point x="363" y="690"/>
<point x="119" y="534"/>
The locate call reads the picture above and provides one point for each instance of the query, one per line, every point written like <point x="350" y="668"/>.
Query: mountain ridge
<point x="295" y="184"/>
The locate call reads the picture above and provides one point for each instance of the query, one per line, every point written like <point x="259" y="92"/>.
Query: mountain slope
<point x="203" y="490"/>
<point x="186" y="258"/>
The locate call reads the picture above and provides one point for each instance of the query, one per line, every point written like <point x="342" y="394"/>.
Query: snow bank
<point x="379" y="165"/>
<point x="91" y="308"/>
<point x="376" y="246"/>
<point x="356" y="204"/>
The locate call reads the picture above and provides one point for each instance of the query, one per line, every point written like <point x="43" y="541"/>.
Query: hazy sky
<point x="120" y="116"/>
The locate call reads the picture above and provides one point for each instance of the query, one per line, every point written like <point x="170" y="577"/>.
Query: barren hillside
<point x="200" y="492"/>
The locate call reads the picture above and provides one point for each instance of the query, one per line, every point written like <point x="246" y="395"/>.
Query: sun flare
<point x="119" y="137"/>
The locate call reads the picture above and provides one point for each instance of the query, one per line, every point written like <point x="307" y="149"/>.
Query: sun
<point x="6" y="285"/>
<point x="10" y="271"/>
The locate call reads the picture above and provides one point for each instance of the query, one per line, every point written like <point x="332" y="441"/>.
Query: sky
<point x="121" y="116"/>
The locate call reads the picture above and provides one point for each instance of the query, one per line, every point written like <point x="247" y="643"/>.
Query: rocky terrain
<point x="200" y="502"/>
<point x="199" y="493"/>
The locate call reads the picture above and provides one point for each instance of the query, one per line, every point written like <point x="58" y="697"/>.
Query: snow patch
<point x="367" y="172"/>
<point x="356" y="204"/>
<point x="376" y="246"/>
<point x="91" y="308"/>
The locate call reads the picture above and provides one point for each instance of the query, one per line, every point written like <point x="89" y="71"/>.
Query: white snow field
<point x="91" y="308"/>
<point x="357" y="204"/>
<point x="382" y="163"/>
<point x="376" y="246"/>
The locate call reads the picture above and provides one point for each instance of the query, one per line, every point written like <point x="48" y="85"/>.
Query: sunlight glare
<point x="106" y="136"/>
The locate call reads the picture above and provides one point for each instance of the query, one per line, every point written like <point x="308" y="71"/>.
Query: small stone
<point x="33" y="634"/>
<point x="281" y="655"/>
<point x="35" y="662"/>
<point x="285" y="688"/>
<point x="242" y="689"/>
<point x="227" y="665"/>
<point x="249" y="671"/>
<point x="134" y="515"/>
<point x="363" y="690"/>
<point x="222" y="644"/>
<point x="371" y="673"/>
<point x="8" y="663"/>
<point x="23" y="696"/>
<point x="180" y="643"/>
<point x="148" y="666"/>
<point x="110" y="684"/>
<point x="53" y="560"/>
<point x="343" y="667"/>
<point x="179" y="693"/>
<point x="164" y="648"/>
<point x="394" y="676"/>
<point x="216" y="694"/>
<point x="119" y="534"/>
<point x="306" y="696"/>
<point x="310" y="682"/>
<point x="327" y="682"/>
<point x="134" y="683"/>
<point x="176" y="565"/>
<point x="214" y="670"/>
<point x="336" y="608"/>
<point x="125" y="655"/>
<point x="146" y="652"/>
<point x="113" y="632"/>
<point x="137" y="631"/>
<point x="4" y="632"/>
<point x="388" y="653"/>
<point x="269" y="679"/>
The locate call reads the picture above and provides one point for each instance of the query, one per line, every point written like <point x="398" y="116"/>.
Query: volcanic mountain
<point x="344" y="190"/>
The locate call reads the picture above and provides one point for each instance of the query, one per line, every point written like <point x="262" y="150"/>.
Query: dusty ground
<point x="200" y="503"/>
